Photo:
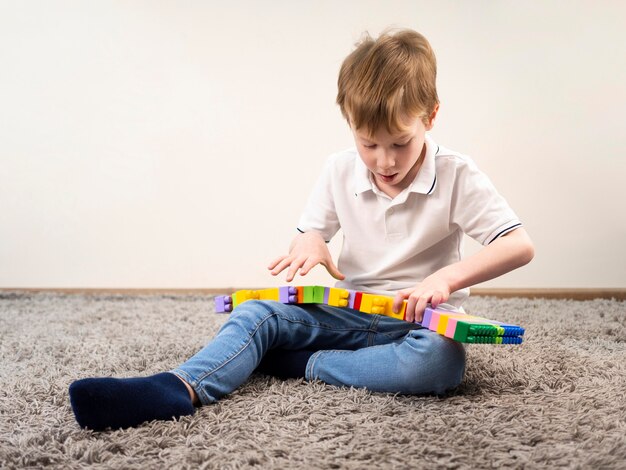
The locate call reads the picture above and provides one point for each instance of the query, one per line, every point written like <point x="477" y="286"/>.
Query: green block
<point x="485" y="330"/>
<point x="465" y="329"/>
<point x="318" y="294"/>
<point x="484" y="339"/>
<point x="309" y="294"/>
<point x="461" y="332"/>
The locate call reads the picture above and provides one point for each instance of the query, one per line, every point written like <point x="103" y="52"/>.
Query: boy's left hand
<point x="432" y="290"/>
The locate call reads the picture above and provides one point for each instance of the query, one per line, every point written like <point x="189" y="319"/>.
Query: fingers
<point x="295" y="264"/>
<point x="279" y="264"/>
<point x="308" y="264"/>
<point x="415" y="306"/>
<point x="305" y="252"/>
<point x="417" y="303"/>
<point x="421" y="305"/>
<point x="304" y="264"/>
<point x="411" y="302"/>
<point x="437" y="299"/>
<point x="275" y="262"/>
<point x="292" y="264"/>
<point x="399" y="300"/>
<point x="333" y="270"/>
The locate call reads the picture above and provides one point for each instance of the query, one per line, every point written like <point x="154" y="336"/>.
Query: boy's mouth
<point x="387" y="178"/>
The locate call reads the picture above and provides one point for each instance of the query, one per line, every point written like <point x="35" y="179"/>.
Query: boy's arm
<point x="509" y="252"/>
<point x="306" y="251"/>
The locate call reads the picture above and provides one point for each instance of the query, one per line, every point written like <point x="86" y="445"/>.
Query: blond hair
<point x="388" y="82"/>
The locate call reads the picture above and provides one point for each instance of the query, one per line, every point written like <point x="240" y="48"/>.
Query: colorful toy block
<point x="223" y="304"/>
<point x="380" y="305"/>
<point x="312" y="294"/>
<point x="339" y="297"/>
<point x="460" y="326"/>
<point x="288" y="295"/>
<point x="326" y="295"/>
<point x="307" y="294"/>
<point x="494" y="340"/>
<point x="242" y="296"/>
<point x="357" y="300"/>
<point x="455" y="325"/>
<point x="269" y="294"/>
<point x="319" y="292"/>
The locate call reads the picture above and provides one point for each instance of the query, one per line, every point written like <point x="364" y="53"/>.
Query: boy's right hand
<point x="306" y="251"/>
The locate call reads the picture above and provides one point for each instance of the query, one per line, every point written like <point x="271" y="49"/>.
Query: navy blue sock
<point x="285" y="363"/>
<point x="99" y="403"/>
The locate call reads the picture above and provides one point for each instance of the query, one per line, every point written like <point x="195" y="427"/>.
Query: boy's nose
<point x="386" y="160"/>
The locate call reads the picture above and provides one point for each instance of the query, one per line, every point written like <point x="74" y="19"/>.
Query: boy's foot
<point x="285" y="363"/>
<point x="99" y="403"/>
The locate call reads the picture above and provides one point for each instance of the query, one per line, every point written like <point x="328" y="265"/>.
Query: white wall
<point x="173" y="144"/>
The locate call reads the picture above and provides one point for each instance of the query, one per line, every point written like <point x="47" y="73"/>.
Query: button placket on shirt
<point x="393" y="224"/>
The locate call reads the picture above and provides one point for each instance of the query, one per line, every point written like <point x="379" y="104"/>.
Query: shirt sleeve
<point x="319" y="214"/>
<point x="477" y="207"/>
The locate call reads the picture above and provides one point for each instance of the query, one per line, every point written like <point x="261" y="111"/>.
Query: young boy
<point x="403" y="203"/>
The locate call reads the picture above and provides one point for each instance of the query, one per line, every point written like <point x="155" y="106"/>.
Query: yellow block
<point x="400" y="314"/>
<point x="242" y="296"/>
<point x="338" y="297"/>
<point x="366" y="303"/>
<point x="381" y="305"/>
<point x="269" y="294"/>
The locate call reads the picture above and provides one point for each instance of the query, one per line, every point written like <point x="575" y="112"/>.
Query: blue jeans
<point x="352" y="348"/>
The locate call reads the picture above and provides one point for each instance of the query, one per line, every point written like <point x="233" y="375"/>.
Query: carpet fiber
<point x="558" y="400"/>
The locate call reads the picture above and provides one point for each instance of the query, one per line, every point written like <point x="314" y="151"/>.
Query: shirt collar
<point x="362" y="181"/>
<point x="424" y="182"/>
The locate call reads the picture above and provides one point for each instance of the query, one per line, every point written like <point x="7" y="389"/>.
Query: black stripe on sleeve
<point x="505" y="231"/>
<point x="298" y="229"/>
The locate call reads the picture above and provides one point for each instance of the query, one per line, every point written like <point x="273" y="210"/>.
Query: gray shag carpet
<point x="558" y="400"/>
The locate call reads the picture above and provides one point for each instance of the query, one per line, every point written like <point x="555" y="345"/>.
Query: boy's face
<point x="393" y="160"/>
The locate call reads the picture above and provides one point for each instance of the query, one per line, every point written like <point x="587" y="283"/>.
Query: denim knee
<point x="253" y="308"/>
<point x="249" y="316"/>
<point x="275" y="321"/>
<point x="437" y="366"/>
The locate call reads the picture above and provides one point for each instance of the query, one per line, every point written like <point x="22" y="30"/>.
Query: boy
<point x="403" y="204"/>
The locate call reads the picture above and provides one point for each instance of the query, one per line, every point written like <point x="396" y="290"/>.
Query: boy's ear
<point x="431" y="118"/>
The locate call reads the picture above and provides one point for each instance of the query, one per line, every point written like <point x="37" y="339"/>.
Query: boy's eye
<point x="404" y="144"/>
<point x="369" y="146"/>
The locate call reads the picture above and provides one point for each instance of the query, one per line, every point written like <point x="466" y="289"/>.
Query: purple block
<point x="351" y="297"/>
<point x="288" y="295"/>
<point x="223" y="304"/>
<point x="427" y="316"/>
<point x="219" y="304"/>
<point x="326" y="294"/>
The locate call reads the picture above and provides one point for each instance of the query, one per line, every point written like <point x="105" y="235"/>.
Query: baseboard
<point x="530" y="293"/>
<point x="573" y="293"/>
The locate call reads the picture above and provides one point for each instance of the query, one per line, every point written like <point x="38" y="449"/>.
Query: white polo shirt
<point x="392" y="244"/>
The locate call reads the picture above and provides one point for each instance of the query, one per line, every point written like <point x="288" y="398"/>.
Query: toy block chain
<point x="455" y="325"/>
